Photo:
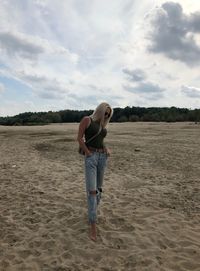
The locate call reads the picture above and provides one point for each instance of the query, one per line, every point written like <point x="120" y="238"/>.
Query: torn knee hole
<point x="93" y="192"/>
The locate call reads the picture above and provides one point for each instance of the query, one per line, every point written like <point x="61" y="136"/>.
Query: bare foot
<point x="93" y="232"/>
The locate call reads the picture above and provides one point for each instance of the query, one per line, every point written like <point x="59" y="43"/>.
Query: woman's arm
<point x="81" y="131"/>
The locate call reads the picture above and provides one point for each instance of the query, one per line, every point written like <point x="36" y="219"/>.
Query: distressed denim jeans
<point x="94" y="172"/>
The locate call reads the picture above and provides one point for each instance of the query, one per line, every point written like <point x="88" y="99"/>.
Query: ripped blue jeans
<point x="94" y="172"/>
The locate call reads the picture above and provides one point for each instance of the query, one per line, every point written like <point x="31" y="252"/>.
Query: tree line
<point x="130" y="114"/>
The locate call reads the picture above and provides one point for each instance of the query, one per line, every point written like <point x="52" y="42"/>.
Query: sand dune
<point x="149" y="218"/>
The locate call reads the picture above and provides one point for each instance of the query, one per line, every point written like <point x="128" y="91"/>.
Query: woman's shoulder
<point x="86" y="121"/>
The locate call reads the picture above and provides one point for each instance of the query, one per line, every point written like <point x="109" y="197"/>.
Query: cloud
<point x="147" y="89"/>
<point x="52" y="50"/>
<point x="174" y="34"/>
<point x="44" y="86"/>
<point x="13" y="107"/>
<point x="191" y="92"/>
<point x="49" y="95"/>
<point x="135" y="75"/>
<point x="194" y="22"/>
<point x="19" y="44"/>
<point x="141" y="86"/>
<point x="76" y="100"/>
<point x="90" y="100"/>
<point x="15" y="43"/>
<point x="2" y="88"/>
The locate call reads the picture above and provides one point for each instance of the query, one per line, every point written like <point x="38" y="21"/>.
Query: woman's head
<point x="102" y="113"/>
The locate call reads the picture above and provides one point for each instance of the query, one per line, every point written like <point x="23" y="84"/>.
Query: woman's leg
<point x="91" y="188"/>
<point x="100" y="174"/>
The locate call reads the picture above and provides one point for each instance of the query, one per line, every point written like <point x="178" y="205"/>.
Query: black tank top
<point x="92" y="130"/>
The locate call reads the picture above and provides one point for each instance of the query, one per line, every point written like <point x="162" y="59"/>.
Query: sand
<point x="149" y="217"/>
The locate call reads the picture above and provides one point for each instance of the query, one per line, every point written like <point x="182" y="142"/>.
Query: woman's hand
<point x="108" y="151"/>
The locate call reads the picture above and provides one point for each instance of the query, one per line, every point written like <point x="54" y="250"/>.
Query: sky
<point x="75" y="54"/>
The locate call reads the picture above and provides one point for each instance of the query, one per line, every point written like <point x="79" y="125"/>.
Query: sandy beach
<point x="149" y="217"/>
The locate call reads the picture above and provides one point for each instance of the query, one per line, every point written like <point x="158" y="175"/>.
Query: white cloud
<point x="146" y="90"/>
<point x="74" y="54"/>
<point x="2" y="88"/>
<point x="192" y="92"/>
<point x="135" y="75"/>
<point x="11" y="108"/>
<point x="26" y="46"/>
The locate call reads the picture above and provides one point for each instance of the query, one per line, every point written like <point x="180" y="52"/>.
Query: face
<point x="107" y="113"/>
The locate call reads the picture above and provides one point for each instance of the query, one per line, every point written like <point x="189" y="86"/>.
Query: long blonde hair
<point x="99" y="114"/>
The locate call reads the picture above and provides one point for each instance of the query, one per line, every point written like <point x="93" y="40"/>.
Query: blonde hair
<point x="99" y="114"/>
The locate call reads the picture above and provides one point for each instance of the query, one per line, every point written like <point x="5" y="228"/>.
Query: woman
<point x="92" y="128"/>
